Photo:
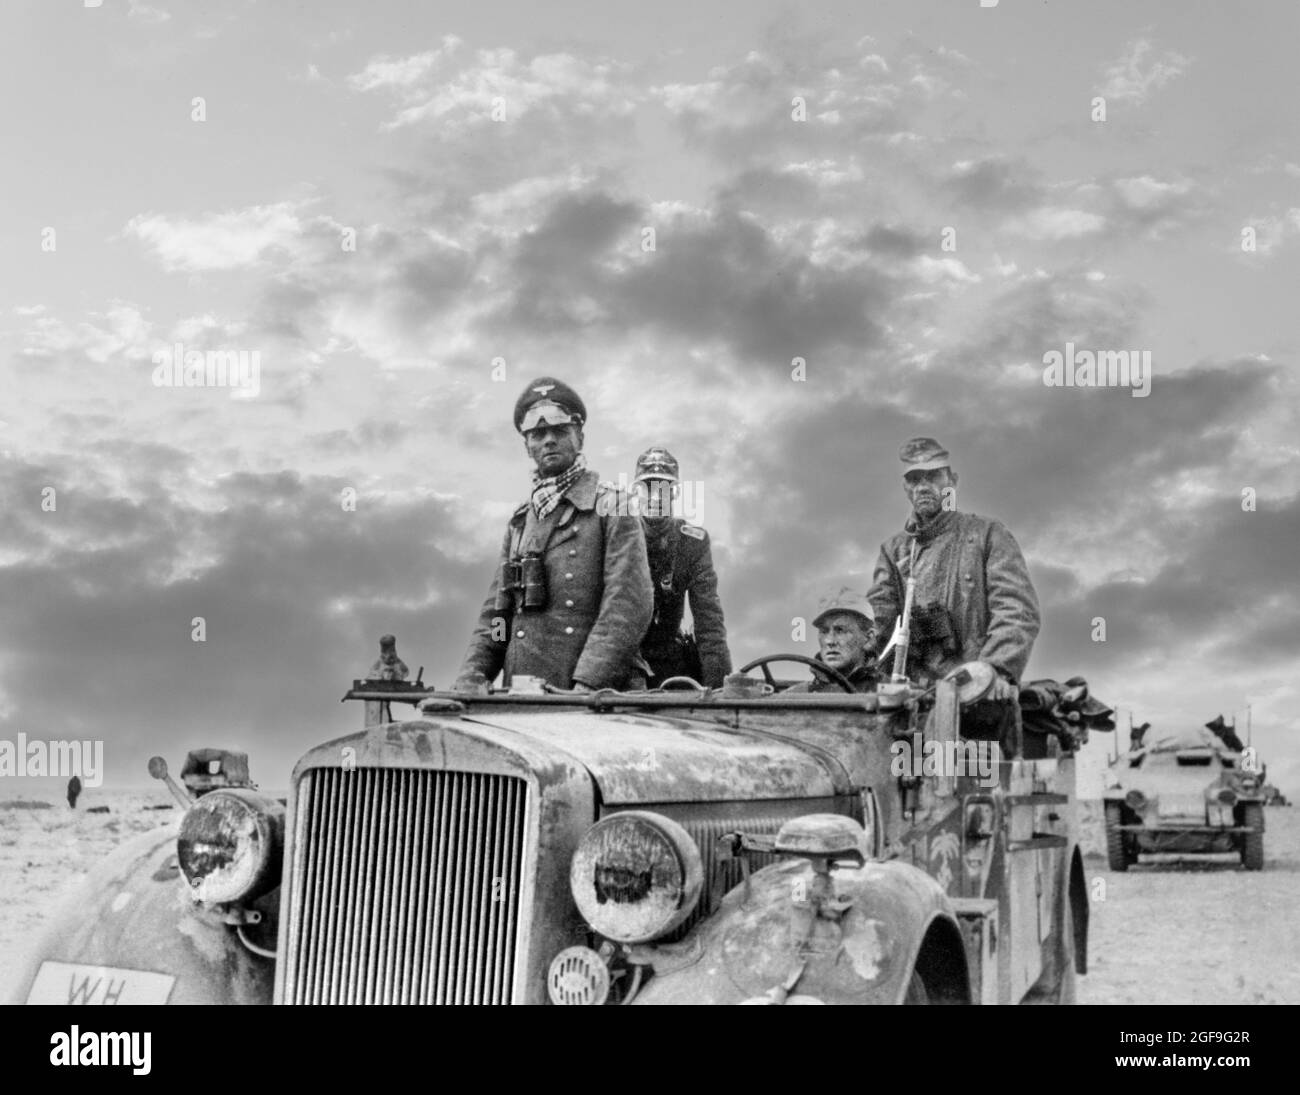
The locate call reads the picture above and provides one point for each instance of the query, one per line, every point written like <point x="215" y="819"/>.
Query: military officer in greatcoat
<point x="681" y="566"/>
<point x="973" y="599"/>
<point x="571" y="598"/>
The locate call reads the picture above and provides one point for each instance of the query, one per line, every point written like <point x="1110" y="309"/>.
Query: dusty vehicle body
<point x="460" y="856"/>
<point x="1183" y="793"/>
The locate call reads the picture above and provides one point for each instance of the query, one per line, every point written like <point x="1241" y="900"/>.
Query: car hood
<point x="648" y="759"/>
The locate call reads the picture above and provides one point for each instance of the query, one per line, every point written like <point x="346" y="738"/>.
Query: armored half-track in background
<point x="1183" y="793"/>
<point x="742" y="845"/>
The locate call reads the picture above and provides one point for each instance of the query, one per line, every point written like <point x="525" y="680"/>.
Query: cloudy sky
<point x="408" y="215"/>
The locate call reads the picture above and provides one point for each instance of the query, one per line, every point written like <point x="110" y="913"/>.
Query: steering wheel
<point x="834" y="675"/>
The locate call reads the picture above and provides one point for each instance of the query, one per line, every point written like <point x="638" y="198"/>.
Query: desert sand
<point x="1199" y="929"/>
<point x="44" y="853"/>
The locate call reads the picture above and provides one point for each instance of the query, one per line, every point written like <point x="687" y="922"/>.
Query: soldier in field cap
<point x="571" y="598"/>
<point x="973" y="600"/>
<point x="681" y="567"/>
<point x="845" y="627"/>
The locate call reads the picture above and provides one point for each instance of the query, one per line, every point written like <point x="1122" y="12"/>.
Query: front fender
<point x="133" y="913"/>
<point x="754" y="944"/>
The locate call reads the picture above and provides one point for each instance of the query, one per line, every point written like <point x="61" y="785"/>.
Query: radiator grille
<point x="406" y="887"/>
<point x="719" y="877"/>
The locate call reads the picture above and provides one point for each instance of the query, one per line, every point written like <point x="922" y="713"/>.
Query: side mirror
<point x="158" y="770"/>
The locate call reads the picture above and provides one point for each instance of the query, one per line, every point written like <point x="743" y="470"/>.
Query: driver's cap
<point x="844" y="599"/>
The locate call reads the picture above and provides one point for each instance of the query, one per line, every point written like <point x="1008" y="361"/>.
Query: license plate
<point x="1183" y="806"/>
<point x="72" y="983"/>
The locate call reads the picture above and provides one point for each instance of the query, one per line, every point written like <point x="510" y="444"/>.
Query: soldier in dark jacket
<point x="845" y="630"/>
<point x="681" y="565"/>
<point x="571" y="598"/>
<point x="973" y="600"/>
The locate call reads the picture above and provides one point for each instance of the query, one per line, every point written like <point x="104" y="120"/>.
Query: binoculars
<point x="523" y="584"/>
<point x="931" y="625"/>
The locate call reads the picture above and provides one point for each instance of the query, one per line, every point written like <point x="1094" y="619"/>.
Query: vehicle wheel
<point x="916" y="993"/>
<point x="1252" y="843"/>
<point x="1116" y="854"/>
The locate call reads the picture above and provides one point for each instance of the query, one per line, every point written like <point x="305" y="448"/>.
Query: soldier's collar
<point x="928" y="531"/>
<point x="583" y="493"/>
<point x="658" y="528"/>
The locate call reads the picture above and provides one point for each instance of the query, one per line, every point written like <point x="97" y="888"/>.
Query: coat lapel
<point x="558" y="525"/>
<point x="537" y="533"/>
<point x="581" y="496"/>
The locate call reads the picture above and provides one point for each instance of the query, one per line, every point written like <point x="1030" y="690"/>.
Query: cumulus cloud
<point x="796" y="97"/>
<point x="1272" y="230"/>
<point x="403" y="73"/>
<point x="715" y="276"/>
<point x="233" y="240"/>
<point x="497" y="86"/>
<point x="1058" y="223"/>
<point x="1152" y="206"/>
<point x="120" y="331"/>
<point x="1140" y="71"/>
<point x="994" y="183"/>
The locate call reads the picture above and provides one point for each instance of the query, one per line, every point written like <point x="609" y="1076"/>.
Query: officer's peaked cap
<point x="547" y="389"/>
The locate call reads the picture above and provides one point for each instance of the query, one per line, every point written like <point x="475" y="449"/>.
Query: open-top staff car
<point x="1183" y="793"/>
<point x="741" y="845"/>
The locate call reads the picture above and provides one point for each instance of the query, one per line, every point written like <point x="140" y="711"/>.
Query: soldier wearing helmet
<point x="845" y="631"/>
<point x="973" y="599"/>
<point x="571" y="598"/>
<point x="681" y="566"/>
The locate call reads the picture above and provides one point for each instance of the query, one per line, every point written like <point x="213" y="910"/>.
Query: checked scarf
<point x="549" y="489"/>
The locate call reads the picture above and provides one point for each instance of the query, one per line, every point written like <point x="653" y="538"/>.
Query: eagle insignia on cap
<point x="542" y="389"/>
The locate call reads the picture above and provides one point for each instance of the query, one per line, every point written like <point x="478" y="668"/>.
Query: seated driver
<point x="845" y="635"/>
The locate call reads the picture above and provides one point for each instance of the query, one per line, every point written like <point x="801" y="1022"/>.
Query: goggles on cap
<point x="656" y="464"/>
<point x="657" y="473"/>
<point x="547" y="413"/>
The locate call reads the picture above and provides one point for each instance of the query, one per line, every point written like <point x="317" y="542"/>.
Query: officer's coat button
<point x="519" y="634"/>
<point x="568" y="604"/>
<point x="570" y="575"/>
<point x="573" y="551"/>
<point x="568" y="631"/>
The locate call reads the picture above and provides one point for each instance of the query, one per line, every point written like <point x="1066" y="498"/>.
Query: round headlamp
<point x="636" y="876"/>
<point x="1227" y="796"/>
<point x="1135" y="799"/>
<point x="230" y="845"/>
